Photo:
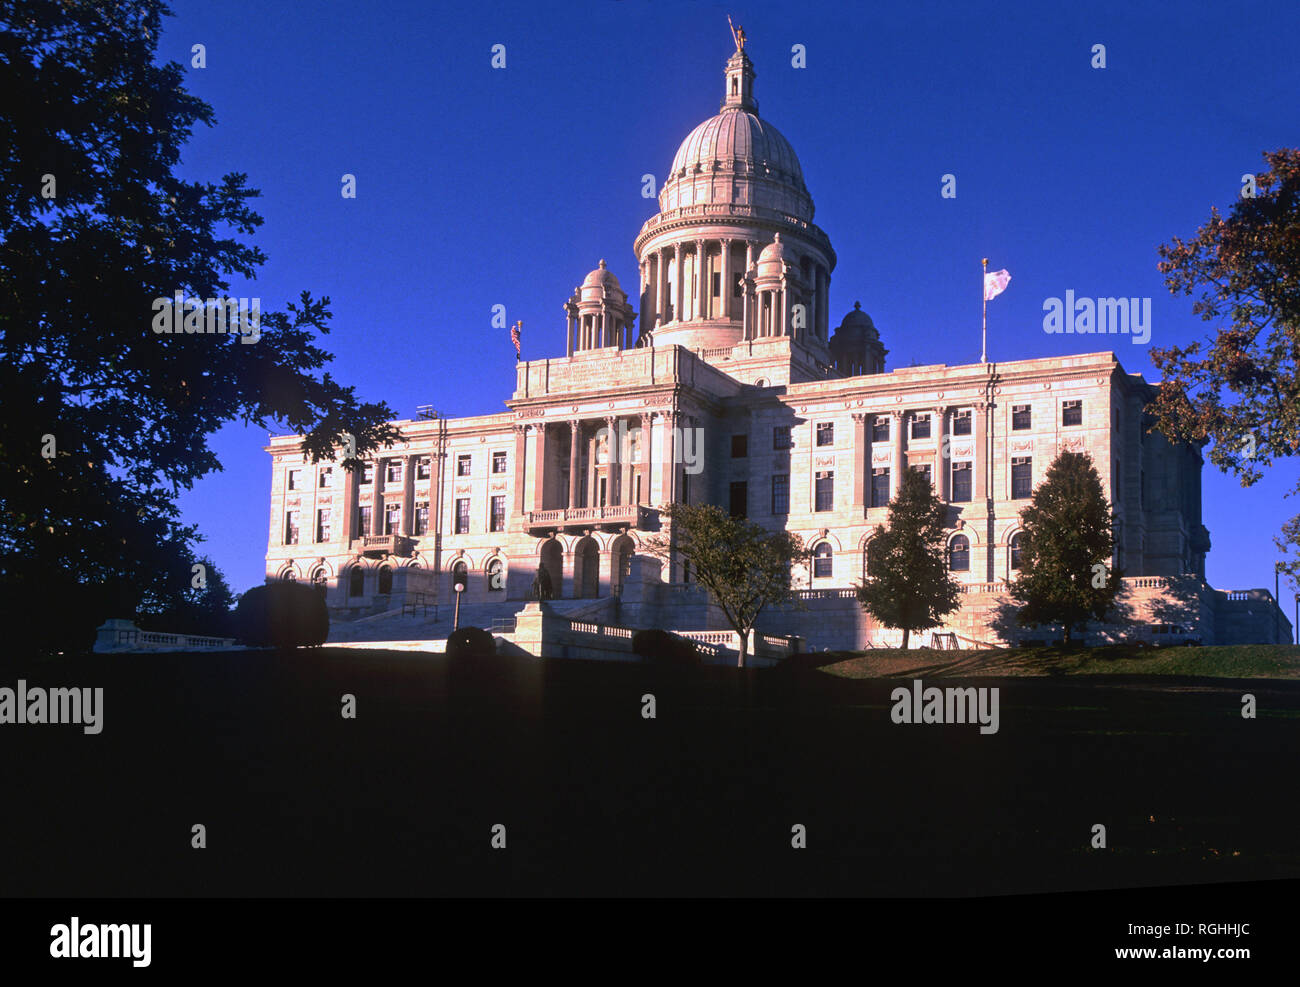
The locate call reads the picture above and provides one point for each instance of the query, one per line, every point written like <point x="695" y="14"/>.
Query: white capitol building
<point x="800" y="427"/>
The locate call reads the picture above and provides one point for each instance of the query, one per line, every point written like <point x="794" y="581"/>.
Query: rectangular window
<point x="961" y="423"/>
<point x="363" y="521"/>
<point x="394" y="473"/>
<point x="781" y="437"/>
<point x="392" y="519"/>
<point x="880" y="487"/>
<point x="498" y="462"/>
<point x="1020" y="417"/>
<point x="921" y="427"/>
<point x="423" y="468"/>
<point x="325" y="478"/>
<point x="739" y="446"/>
<point x="498" y="513"/>
<point x="825" y="491"/>
<point x="781" y="494"/>
<point x="1071" y="412"/>
<point x="324" y="527"/>
<point x="961" y="483"/>
<point x="924" y="470"/>
<point x="740" y="499"/>
<point x="462" y="516"/>
<point x="295" y="479"/>
<point x="1119" y="482"/>
<point x="368" y="473"/>
<point x="826" y="433"/>
<point x="463" y="465"/>
<point x="421" y="519"/>
<point x="1022" y="477"/>
<point x="717" y="283"/>
<point x="880" y="428"/>
<point x="291" y="527"/>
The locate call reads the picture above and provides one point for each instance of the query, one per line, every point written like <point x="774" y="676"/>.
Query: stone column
<point x="727" y="287"/>
<point x="575" y="432"/>
<point x="861" y="458"/>
<point x="349" y="502"/>
<point x="568" y="336"/>
<point x="669" y="464"/>
<point x="679" y="279"/>
<point x="661" y="287"/>
<point x="647" y="457"/>
<point x="614" y="468"/>
<point x="785" y="310"/>
<point x="823" y="301"/>
<point x="521" y="447"/>
<point x="981" y="464"/>
<point x="701" y="299"/>
<point x="539" y="467"/>
<point x="408" y="495"/>
<point x="942" y="463"/>
<point x="377" y="499"/>
<point x="898" y="420"/>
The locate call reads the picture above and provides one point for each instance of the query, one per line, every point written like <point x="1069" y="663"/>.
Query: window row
<point x="919" y="423"/>
<point x="393" y="471"/>
<point x="392" y="520"/>
<point x="960" y="490"/>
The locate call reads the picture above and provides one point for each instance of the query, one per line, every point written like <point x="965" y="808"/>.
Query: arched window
<point x="1016" y="546"/>
<point x="356" y="581"/>
<point x="318" y="581"/>
<point x="288" y="577"/>
<point x="959" y="554"/>
<point x="385" y="580"/>
<point x="823" y="561"/>
<point x="496" y="579"/>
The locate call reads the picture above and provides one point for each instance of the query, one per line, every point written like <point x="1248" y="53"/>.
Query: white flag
<point x="995" y="283"/>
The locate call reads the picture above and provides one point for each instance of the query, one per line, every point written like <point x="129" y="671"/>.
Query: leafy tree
<point x="105" y="420"/>
<point x="205" y="606"/>
<point x="744" y="567"/>
<point x="909" y="586"/>
<point x="1066" y="544"/>
<point x="1242" y="392"/>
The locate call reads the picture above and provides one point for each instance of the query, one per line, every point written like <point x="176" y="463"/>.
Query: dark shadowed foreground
<point x="595" y="799"/>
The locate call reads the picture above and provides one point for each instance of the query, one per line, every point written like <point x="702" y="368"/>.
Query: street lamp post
<point x="455" y="623"/>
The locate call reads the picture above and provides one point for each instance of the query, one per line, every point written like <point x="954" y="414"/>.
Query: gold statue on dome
<point x="737" y="34"/>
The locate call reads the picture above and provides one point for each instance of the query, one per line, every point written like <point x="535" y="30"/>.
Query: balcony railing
<point x="611" y="515"/>
<point x="382" y="545"/>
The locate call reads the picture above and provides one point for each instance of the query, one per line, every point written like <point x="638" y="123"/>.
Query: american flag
<point x="515" y="332"/>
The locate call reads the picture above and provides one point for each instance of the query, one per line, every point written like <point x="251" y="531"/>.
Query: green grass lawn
<point x="1240" y="661"/>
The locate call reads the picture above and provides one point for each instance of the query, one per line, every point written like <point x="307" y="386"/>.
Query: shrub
<point x="659" y="647"/>
<point x="282" y="615"/>
<point x="471" y="642"/>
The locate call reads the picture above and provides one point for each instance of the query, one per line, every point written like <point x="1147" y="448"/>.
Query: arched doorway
<point x="319" y="581"/>
<point x="356" y="581"/>
<point x="553" y="563"/>
<point x="385" y="580"/>
<point x="586" y="569"/>
<point x="620" y="563"/>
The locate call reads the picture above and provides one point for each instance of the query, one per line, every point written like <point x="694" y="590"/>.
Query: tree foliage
<point x="107" y="420"/>
<point x="1066" y="543"/>
<point x="744" y="566"/>
<point x="909" y="587"/>
<point x="1241" y="391"/>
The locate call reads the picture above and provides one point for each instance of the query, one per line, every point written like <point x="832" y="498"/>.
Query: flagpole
<point x="984" y="320"/>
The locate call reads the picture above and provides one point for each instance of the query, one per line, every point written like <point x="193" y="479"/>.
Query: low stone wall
<point x="119" y="635"/>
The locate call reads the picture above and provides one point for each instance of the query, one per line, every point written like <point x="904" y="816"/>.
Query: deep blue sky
<point x="479" y="186"/>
